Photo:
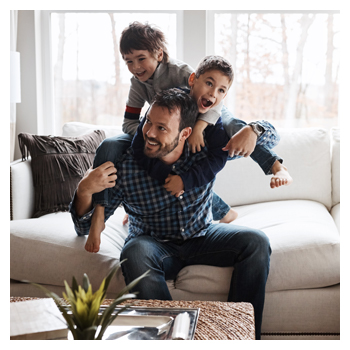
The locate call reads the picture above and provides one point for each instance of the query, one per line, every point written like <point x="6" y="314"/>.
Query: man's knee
<point x="260" y="244"/>
<point x="139" y="251"/>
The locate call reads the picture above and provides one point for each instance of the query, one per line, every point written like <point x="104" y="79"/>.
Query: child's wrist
<point x="200" y="125"/>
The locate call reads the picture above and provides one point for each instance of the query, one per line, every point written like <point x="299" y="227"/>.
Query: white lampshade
<point x="15" y="78"/>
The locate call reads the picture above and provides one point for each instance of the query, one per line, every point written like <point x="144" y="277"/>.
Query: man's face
<point x="209" y="89"/>
<point x="161" y="132"/>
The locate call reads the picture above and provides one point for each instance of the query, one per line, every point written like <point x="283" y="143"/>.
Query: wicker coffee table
<point x="217" y="320"/>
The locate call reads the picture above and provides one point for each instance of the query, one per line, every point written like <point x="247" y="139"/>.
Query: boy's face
<point x="142" y="63"/>
<point x="209" y="89"/>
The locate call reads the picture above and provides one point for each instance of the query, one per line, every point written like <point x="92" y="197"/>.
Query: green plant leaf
<point x="74" y="285"/>
<point x="70" y="294"/>
<point x="131" y="285"/>
<point x="94" y="310"/>
<point x="107" y="317"/>
<point x="86" y="334"/>
<point x="110" y="276"/>
<point x="101" y="292"/>
<point x="86" y="282"/>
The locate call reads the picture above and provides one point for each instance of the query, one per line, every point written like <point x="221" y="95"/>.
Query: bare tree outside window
<point x="286" y="66"/>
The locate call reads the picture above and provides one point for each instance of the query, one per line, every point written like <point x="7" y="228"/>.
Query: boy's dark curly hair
<point x="138" y="36"/>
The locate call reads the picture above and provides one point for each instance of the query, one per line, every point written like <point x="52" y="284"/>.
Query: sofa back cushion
<point x="77" y="129"/>
<point x="306" y="154"/>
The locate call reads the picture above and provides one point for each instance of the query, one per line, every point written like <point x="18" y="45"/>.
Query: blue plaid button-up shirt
<point x="152" y="210"/>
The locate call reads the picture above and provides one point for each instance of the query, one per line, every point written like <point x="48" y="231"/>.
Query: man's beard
<point x="163" y="149"/>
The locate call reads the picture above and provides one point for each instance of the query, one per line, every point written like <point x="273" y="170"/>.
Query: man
<point x="167" y="233"/>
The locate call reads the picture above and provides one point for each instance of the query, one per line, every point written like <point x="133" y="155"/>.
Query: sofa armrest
<point x="335" y="144"/>
<point x="21" y="190"/>
<point x="335" y="212"/>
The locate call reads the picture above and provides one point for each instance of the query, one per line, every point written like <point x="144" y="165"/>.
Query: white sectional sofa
<point x="301" y="221"/>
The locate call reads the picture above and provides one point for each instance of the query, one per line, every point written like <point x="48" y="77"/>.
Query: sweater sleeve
<point x="206" y="169"/>
<point x="136" y="100"/>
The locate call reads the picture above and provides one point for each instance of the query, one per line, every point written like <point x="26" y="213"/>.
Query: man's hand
<point x="242" y="143"/>
<point x="94" y="181"/>
<point x="196" y="139"/>
<point x="174" y="185"/>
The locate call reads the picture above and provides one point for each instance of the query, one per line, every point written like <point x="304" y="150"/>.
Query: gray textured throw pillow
<point x="58" y="164"/>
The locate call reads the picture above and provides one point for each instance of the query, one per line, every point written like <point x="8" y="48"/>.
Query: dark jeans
<point x="247" y="250"/>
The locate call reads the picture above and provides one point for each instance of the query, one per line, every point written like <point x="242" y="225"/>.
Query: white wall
<point x="26" y="116"/>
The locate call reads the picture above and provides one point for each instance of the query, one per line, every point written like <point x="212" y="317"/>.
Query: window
<point x="91" y="80"/>
<point x="286" y="66"/>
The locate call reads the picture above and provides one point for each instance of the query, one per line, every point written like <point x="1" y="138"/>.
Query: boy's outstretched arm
<point x="242" y="143"/>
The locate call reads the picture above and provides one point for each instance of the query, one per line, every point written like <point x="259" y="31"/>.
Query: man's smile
<point x="151" y="142"/>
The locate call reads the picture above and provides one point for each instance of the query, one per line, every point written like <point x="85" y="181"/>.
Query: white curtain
<point x="13" y="45"/>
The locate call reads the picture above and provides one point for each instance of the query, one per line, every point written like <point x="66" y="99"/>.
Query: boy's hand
<point x="196" y="139"/>
<point x="242" y="143"/>
<point x="174" y="185"/>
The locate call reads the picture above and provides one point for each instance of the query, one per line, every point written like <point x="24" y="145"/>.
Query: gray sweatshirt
<point x="167" y="75"/>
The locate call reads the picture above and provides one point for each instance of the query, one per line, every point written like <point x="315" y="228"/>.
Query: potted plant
<point x="82" y="309"/>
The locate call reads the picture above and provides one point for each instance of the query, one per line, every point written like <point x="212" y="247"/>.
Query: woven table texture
<point x="216" y="321"/>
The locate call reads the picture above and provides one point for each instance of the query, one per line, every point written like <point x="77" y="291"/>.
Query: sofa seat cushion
<point x="303" y="237"/>
<point x="47" y="250"/>
<point x="305" y="249"/>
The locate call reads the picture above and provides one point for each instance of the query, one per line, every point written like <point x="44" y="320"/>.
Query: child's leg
<point x="222" y="211"/>
<point x="93" y="242"/>
<point x="110" y="149"/>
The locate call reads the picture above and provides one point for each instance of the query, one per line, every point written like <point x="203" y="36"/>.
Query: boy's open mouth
<point x="140" y="74"/>
<point x="206" y="103"/>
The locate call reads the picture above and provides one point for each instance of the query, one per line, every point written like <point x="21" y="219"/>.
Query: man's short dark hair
<point x="213" y="62"/>
<point x="178" y="99"/>
<point x="139" y="36"/>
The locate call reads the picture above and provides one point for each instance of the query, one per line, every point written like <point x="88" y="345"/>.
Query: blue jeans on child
<point x="247" y="250"/>
<point x="110" y="149"/>
<point x="113" y="148"/>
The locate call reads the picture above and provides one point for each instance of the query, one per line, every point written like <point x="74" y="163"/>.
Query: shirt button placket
<point x="181" y="218"/>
